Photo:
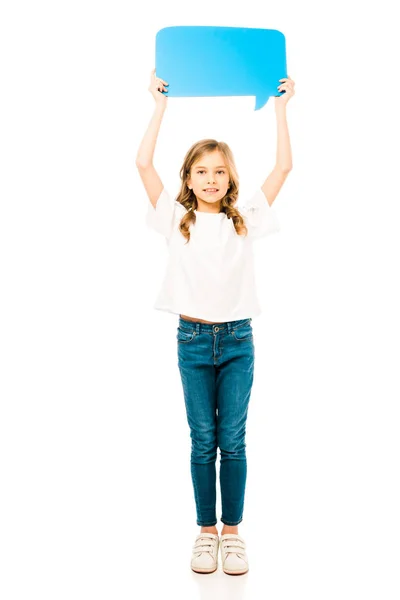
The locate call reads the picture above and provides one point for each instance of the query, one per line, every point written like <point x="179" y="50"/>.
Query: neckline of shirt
<point x="202" y="212"/>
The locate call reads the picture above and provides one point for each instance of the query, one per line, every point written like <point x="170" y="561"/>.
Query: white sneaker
<point x="205" y="553"/>
<point x="233" y="554"/>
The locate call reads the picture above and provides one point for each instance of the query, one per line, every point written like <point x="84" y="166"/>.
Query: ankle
<point x="230" y="529"/>
<point x="211" y="529"/>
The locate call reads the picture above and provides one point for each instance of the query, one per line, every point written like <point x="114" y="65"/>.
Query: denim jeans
<point x="216" y="364"/>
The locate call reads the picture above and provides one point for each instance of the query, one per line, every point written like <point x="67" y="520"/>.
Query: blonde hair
<point x="187" y="197"/>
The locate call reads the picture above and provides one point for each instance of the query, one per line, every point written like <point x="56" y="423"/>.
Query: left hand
<point x="287" y="86"/>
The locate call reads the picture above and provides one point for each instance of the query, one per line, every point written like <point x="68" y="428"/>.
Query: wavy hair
<point x="187" y="197"/>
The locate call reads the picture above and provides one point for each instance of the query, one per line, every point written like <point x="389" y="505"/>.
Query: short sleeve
<point x="162" y="217"/>
<point x="260" y="218"/>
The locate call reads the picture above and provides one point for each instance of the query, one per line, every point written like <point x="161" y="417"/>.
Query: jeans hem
<point x="231" y="522"/>
<point x="206" y="524"/>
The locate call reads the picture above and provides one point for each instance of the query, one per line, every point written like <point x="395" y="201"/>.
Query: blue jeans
<point x="216" y="364"/>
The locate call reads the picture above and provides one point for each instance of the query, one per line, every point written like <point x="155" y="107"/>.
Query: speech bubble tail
<point x="260" y="102"/>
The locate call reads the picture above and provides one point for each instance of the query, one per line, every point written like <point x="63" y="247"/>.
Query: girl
<point x="210" y="284"/>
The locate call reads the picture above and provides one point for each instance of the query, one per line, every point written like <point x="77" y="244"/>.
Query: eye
<point x="202" y="171"/>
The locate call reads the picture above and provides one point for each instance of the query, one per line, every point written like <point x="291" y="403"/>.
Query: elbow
<point x="141" y="164"/>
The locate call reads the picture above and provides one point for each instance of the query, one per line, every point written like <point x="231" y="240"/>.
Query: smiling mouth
<point x="211" y="190"/>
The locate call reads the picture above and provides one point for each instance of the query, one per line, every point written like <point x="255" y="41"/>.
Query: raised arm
<point x="283" y="166"/>
<point x="144" y="159"/>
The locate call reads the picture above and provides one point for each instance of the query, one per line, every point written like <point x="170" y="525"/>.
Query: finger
<point x="287" y="85"/>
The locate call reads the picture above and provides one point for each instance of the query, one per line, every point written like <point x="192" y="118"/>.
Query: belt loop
<point x="197" y="328"/>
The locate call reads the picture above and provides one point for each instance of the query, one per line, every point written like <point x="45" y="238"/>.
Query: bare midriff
<point x="199" y="320"/>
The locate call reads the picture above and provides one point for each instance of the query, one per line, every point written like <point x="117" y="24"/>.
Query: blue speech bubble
<point x="221" y="61"/>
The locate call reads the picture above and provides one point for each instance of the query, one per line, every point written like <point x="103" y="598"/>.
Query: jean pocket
<point x="243" y="333"/>
<point x="184" y="336"/>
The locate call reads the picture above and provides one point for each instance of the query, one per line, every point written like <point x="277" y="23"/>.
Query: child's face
<point x="210" y="171"/>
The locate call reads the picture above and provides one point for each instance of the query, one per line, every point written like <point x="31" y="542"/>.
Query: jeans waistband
<point x="211" y="327"/>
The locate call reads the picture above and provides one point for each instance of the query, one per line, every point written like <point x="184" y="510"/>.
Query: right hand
<point x="156" y="86"/>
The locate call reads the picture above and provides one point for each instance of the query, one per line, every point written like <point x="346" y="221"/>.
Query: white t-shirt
<point x="211" y="277"/>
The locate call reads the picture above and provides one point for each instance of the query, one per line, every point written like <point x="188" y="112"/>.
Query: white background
<point x="96" y="496"/>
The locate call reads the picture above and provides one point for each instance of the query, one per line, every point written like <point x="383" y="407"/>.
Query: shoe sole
<point x="236" y="572"/>
<point x="204" y="571"/>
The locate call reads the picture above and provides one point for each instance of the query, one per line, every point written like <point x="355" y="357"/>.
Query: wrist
<point x="280" y="107"/>
<point x="160" y="108"/>
<point x="280" y="112"/>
